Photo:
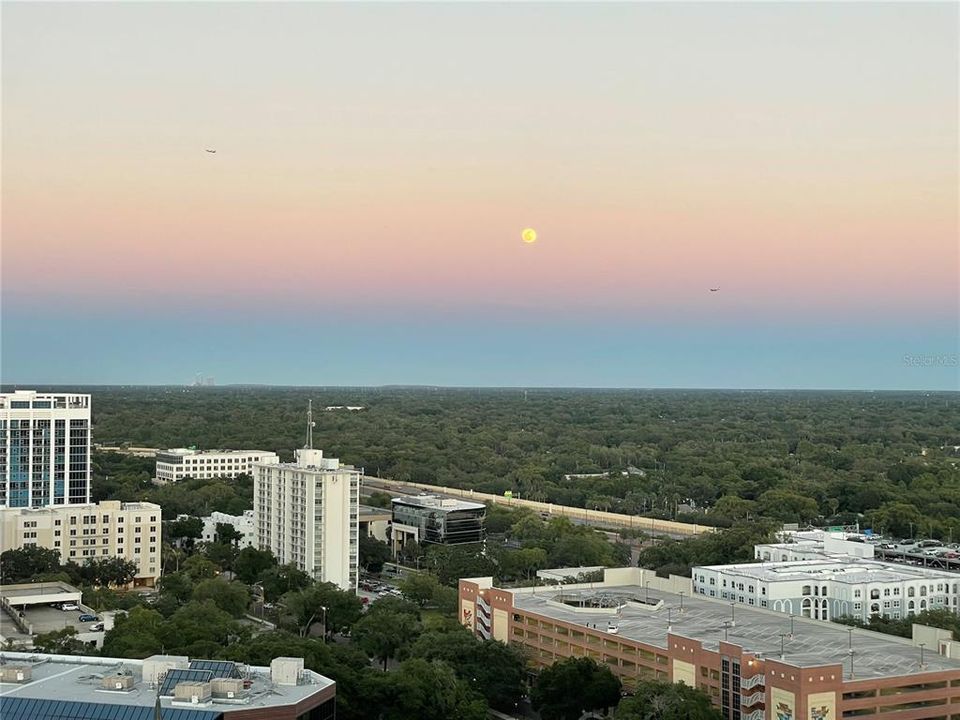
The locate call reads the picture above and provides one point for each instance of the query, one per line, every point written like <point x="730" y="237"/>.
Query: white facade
<point x="813" y="545"/>
<point x="830" y="588"/>
<point x="44" y="449"/>
<point x="90" y="532"/>
<point x="307" y="513"/>
<point x="243" y="524"/>
<point x="179" y="463"/>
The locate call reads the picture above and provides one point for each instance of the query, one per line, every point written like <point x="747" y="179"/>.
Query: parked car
<point x="69" y="606"/>
<point x="88" y="618"/>
<point x="96" y="628"/>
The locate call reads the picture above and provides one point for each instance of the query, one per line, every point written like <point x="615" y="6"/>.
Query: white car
<point x="69" y="606"/>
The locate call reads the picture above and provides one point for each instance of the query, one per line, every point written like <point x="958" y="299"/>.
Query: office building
<point x="166" y="687"/>
<point x="429" y="519"/>
<point x="753" y="663"/>
<point x="813" y="545"/>
<point x="307" y="513"/>
<point x="45" y="449"/>
<point x="95" y="531"/>
<point x="375" y="522"/>
<point x="243" y="524"/>
<point x="179" y="463"/>
<point x="831" y="588"/>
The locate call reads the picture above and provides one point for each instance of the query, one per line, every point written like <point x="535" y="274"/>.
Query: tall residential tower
<point x="307" y="512"/>
<point x="45" y="449"/>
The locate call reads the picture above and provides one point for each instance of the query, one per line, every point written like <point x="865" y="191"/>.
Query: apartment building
<point x="429" y="519"/>
<point x="176" y="464"/>
<point x="243" y="524"/>
<point x="754" y="664"/>
<point x="307" y="513"/>
<point x="39" y="686"/>
<point x="90" y="532"/>
<point x="828" y="589"/>
<point x="44" y="449"/>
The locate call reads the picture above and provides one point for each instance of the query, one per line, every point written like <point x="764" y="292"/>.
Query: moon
<point x="529" y="236"/>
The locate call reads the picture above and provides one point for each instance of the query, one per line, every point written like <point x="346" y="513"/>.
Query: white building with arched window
<point x="828" y="589"/>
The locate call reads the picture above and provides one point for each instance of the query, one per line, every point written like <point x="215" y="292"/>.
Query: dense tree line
<point x="886" y="459"/>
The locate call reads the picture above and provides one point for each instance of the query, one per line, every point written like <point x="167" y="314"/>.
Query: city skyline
<point x="360" y="221"/>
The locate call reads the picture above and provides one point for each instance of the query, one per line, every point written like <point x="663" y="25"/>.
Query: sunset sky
<point x="360" y="221"/>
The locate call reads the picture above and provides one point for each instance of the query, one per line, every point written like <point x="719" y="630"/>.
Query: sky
<point x="375" y="165"/>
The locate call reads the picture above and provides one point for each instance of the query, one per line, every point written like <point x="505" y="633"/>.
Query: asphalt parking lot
<point x="47" y="619"/>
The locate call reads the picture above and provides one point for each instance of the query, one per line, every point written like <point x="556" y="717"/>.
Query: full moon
<point x="529" y="235"/>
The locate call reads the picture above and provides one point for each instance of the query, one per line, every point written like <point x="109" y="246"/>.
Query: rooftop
<point x="193" y="452"/>
<point x="440" y="503"/>
<point x="850" y="570"/>
<point x="78" y="679"/>
<point x="368" y="512"/>
<point x="102" y="505"/>
<point x="815" y="643"/>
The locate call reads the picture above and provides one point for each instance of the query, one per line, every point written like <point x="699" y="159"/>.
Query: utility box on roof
<point x="192" y="692"/>
<point x="286" y="670"/>
<point x="157" y="665"/>
<point x="228" y="688"/>
<point x="15" y="673"/>
<point x="117" y="682"/>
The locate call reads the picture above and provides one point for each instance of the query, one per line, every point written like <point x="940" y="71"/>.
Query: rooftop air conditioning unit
<point x="227" y="688"/>
<point x="192" y="692"/>
<point x="15" y="673"/>
<point x="117" y="682"/>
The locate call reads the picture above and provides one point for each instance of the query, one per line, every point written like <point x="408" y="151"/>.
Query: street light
<point x="782" y="636"/>
<point x="646" y="587"/>
<point x="791" y="625"/>
<point x="733" y="614"/>
<point x="681" y="594"/>
<point x="922" y="646"/>
<point x="726" y="628"/>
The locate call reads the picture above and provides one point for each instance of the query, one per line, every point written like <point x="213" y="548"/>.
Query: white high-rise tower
<point x="307" y="513"/>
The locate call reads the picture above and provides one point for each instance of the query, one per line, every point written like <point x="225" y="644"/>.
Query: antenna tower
<point x="310" y="425"/>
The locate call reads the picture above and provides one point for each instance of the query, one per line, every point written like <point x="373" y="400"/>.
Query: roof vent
<point x="286" y="670"/>
<point x="228" y="689"/>
<point x="194" y="693"/>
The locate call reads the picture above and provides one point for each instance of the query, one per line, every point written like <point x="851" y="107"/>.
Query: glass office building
<point x="45" y="449"/>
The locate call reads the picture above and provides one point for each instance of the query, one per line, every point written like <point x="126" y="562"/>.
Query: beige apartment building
<point x="87" y="532"/>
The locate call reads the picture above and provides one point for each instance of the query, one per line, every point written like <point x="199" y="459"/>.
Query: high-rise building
<point x="45" y="449"/>
<point x="307" y="513"/>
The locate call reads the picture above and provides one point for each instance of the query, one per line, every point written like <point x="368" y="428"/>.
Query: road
<point x="581" y="516"/>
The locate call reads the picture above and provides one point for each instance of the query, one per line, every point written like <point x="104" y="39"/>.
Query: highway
<point x="581" y="516"/>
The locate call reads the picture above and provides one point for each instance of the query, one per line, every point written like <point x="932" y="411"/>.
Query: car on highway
<point x="85" y="617"/>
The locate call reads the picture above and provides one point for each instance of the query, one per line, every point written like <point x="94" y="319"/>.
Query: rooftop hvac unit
<point x="155" y="666"/>
<point x="15" y="673"/>
<point x="192" y="692"/>
<point x="286" y="670"/>
<point x="227" y="688"/>
<point x="117" y="682"/>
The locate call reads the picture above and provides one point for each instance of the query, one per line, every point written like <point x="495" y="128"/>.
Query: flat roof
<point x="815" y="642"/>
<point x="77" y="679"/>
<point x="847" y="570"/>
<point x="39" y="593"/>
<point x="193" y="452"/>
<point x="438" y="502"/>
<point x="368" y="512"/>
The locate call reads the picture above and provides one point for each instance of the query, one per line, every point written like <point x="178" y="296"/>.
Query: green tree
<point x="491" y="668"/>
<point x="570" y="687"/>
<point x="61" y="642"/>
<point x="384" y="633"/>
<point x="227" y="534"/>
<point x="24" y="563"/>
<point x="231" y="597"/>
<point x="185" y="531"/>
<point x="197" y="567"/>
<point x="379" y="499"/>
<point x="426" y="691"/>
<point x="420" y="588"/>
<point x="373" y="554"/>
<point x="136" y="634"/>
<point x="323" y="603"/>
<point x="251" y="562"/>
<point x="653" y="700"/>
<point x="281" y="579"/>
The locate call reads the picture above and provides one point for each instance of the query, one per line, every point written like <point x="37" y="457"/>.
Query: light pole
<point x="646" y="587"/>
<point x="782" y="636"/>
<point x="733" y="614"/>
<point x="791" y="625"/>
<point x="922" y="646"/>
<point x="681" y="594"/>
<point x="726" y="628"/>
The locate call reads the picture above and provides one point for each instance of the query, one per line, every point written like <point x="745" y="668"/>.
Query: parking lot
<point x="47" y="619"/>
